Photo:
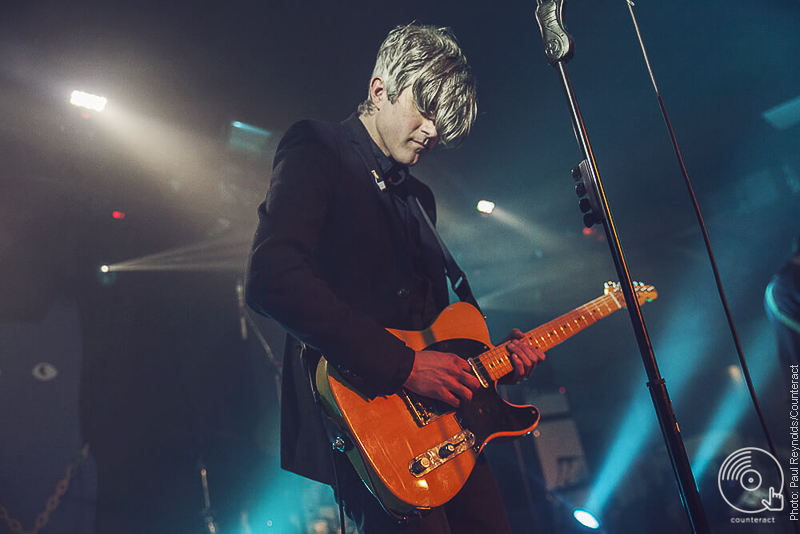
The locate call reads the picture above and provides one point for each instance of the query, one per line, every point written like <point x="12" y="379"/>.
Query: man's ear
<point x="377" y="92"/>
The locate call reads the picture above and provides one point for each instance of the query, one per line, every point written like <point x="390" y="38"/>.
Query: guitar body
<point x="413" y="452"/>
<point x="416" y="453"/>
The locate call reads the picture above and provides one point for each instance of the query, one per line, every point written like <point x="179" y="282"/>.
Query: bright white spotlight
<point x="735" y="374"/>
<point x="88" y="101"/>
<point x="486" y="206"/>
<point x="586" y="518"/>
<point x="104" y="268"/>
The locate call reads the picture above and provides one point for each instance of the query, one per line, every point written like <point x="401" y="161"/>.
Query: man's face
<point x="402" y="132"/>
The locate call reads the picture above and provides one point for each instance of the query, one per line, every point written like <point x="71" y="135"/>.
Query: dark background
<point x="152" y="358"/>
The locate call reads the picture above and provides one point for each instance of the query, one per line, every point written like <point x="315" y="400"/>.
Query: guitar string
<point x="498" y="356"/>
<point x="495" y="363"/>
<point x="588" y="313"/>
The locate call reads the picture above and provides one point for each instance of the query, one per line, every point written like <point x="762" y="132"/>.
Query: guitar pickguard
<point x="487" y="415"/>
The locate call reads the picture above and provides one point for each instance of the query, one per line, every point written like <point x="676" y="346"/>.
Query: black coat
<point x="330" y="264"/>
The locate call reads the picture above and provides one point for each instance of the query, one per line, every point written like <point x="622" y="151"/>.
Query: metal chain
<point x="52" y="502"/>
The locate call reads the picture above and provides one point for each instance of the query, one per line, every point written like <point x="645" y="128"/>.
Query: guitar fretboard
<point x="496" y="363"/>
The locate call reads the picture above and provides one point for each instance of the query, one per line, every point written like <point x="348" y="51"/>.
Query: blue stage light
<point x="585" y="518"/>
<point x="736" y="401"/>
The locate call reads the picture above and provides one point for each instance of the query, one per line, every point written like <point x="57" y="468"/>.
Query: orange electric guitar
<point x="413" y="452"/>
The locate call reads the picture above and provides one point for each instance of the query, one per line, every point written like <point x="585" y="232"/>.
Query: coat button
<point x="402" y="292"/>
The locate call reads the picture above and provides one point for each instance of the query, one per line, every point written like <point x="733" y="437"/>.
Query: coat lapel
<point x="359" y="137"/>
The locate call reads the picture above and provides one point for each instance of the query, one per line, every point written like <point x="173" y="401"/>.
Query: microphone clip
<point x="558" y="44"/>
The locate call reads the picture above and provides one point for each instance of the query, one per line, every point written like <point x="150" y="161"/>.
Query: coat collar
<point x="379" y="165"/>
<point x="359" y="136"/>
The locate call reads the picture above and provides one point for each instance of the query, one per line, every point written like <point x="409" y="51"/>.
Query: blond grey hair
<point x="429" y="60"/>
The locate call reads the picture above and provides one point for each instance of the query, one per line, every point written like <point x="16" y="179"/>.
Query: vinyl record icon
<point x="751" y="481"/>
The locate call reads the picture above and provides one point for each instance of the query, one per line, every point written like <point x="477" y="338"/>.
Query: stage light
<point x="220" y="254"/>
<point x="587" y="519"/>
<point x="683" y="335"/>
<point x="248" y="138"/>
<point x="88" y="101"/>
<point x="736" y="400"/>
<point x="784" y="116"/>
<point x="735" y="374"/>
<point x="486" y="206"/>
<point x="635" y="428"/>
<point x="106" y="275"/>
<point x="118" y="214"/>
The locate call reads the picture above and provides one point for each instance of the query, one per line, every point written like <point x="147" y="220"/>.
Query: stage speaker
<point x="558" y="443"/>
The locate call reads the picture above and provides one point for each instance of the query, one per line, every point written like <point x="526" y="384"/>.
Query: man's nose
<point x="429" y="128"/>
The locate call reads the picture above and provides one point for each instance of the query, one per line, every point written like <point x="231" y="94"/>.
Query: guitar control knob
<point x="420" y="465"/>
<point x="446" y="450"/>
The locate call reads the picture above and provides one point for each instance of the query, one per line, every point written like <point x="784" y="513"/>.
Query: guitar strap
<point x="458" y="280"/>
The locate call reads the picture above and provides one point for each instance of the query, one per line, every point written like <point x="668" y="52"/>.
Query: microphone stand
<point x="559" y="49"/>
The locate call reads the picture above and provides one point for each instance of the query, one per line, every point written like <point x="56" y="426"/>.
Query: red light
<point x="562" y="390"/>
<point x="587" y="231"/>
<point x="118" y="215"/>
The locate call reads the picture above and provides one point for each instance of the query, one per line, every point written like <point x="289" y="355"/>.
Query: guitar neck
<point x="496" y="362"/>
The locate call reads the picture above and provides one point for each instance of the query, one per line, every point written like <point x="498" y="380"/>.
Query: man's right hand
<point x="442" y="376"/>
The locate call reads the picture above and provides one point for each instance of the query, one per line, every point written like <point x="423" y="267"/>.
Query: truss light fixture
<point x="87" y="100"/>
<point x="486" y="206"/>
<point x="585" y="518"/>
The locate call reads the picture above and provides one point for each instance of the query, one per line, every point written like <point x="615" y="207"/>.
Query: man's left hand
<point x="524" y="357"/>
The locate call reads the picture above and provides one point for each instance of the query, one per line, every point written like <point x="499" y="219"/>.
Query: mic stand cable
<point x="706" y="239"/>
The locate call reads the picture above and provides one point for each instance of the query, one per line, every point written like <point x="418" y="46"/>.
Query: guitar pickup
<point x="445" y="451"/>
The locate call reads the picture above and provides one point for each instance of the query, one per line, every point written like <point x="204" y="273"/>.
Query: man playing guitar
<point x="342" y="253"/>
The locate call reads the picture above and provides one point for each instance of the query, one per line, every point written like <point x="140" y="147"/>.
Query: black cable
<point x="712" y="260"/>
<point x="342" y="529"/>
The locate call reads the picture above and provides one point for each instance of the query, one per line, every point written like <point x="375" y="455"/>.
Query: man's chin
<point x="410" y="160"/>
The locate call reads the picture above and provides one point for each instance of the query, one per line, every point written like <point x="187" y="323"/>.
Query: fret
<point x="615" y="300"/>
<point x="496" y="363"/>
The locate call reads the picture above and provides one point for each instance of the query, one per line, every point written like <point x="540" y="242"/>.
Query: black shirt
<point x="420" y="246"/>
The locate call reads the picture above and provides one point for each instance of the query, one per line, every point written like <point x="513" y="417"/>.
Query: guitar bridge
<point x="442" y="453"/>
<point x="422" y="410"/>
